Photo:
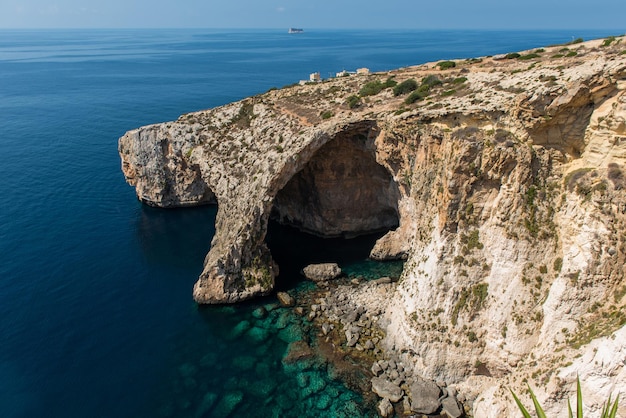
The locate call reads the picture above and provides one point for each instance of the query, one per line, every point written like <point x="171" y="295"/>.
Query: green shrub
<point x="608" y="41"/>
<point x="472" y="299"/>
<point x="374" y="87"/>
<point x="327" y="114"/>
<point x="459" y="80"/>
<point x="512" y="55"/>
<point x="353" y="101"/>
<point x="431" y="81"/>
<point x="415" y="96"/>
<point x="405" y="87"/>
<point x="571" y="54"/>
<point x="444" y="65"/>
<point x="576" y="41"/>
<point x="529" y="56"/>
<point x="371" y="89"/>
<point x="390" y="82"/>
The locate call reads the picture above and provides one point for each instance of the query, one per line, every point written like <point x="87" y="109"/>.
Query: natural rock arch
<point x="341" y="190"/>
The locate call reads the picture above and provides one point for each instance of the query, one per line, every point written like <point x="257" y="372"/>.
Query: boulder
<point x="425" y="397"/>
<point x="385" y="409"/>
<point x="321" y="272"/>
<point x="385" y="389"/>
<point x="285" y="299"/>
<point x="376" y="369"/>
<point x="382" y="280"/>
<point x="451" y="407"/>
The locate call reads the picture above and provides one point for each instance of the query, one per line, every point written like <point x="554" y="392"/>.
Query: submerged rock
<point x="258" y="335"/>
<point x="323" y="402"/>
<point x="298" y="351"/>
<point x="241" y="328"/>
<point x="208" y="400"/>
<point x="260" y="312"/>
<point x="291" y="333"/>
<point x="227" y="404"/>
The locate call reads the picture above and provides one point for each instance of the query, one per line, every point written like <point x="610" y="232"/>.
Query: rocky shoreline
<point x="500" y="181"/>
<point x="344" y="314"/>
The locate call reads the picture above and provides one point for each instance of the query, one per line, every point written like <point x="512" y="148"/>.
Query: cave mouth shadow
<point x="335" y="207"/>
<point x="341" y="191"/>
<point x="293" y="249"/>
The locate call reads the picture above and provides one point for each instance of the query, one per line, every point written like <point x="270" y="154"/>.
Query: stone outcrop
<point x="386" y="389"/>
<point x="323" y="271"/>
<point x="425" y="397"/>
<point x="504" y="190"/>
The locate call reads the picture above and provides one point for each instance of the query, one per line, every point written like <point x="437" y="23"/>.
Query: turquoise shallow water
<point x="96" y="315"/>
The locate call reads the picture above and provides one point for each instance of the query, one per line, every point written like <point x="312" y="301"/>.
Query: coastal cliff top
<point x="481" y="84"/>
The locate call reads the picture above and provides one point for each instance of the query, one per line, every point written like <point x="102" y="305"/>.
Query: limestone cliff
<point x="503" y="185"/>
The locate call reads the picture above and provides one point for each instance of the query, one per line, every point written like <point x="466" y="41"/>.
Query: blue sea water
<point x="96" y="314"/>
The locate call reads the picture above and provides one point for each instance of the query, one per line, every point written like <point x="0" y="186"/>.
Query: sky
<point x="320" y="14"/>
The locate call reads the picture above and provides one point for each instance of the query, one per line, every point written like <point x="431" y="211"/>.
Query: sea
<point x="96" y="311"/>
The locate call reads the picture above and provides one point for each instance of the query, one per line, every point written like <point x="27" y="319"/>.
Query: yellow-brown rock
<point x="505" y="189"/>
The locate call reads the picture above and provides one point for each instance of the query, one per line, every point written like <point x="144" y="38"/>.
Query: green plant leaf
<point x="538" y="408"/>
<point x="613" y="412"/>
<point x="569" y="410"/>
<point x="520" y="406"/>
<point x="579" y="399"/>
<point x="605" y="409"/>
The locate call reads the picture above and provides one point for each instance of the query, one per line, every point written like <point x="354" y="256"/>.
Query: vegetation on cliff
<point x="503" y="188"/>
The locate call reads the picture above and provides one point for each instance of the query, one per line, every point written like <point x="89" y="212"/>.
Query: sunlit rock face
<point x="503" y="189"/>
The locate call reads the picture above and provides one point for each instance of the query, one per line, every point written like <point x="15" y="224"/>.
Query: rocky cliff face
<point x="504" y="188"/>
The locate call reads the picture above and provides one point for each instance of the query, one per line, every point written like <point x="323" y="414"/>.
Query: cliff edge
<point x="500" y="180"/>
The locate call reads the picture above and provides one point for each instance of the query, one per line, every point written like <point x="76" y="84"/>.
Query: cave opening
<point x="334" y="210"/>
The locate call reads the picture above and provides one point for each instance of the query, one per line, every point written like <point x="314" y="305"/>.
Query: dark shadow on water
<point x="293" y="250"/>
<point x="176" y="237"/>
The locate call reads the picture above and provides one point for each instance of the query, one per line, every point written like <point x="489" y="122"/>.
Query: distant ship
<point x="295" y="30"/>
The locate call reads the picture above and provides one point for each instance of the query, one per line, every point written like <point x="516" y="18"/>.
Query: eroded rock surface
<point x="504" y="190"/>
<point x="322" y="271"/>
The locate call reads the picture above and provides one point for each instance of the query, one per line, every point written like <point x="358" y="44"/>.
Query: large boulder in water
<point x="285" y="299"/>
<point x="321" y="272"/>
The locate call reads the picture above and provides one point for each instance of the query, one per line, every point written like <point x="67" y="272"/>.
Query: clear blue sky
<point x="414" y="14"/>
